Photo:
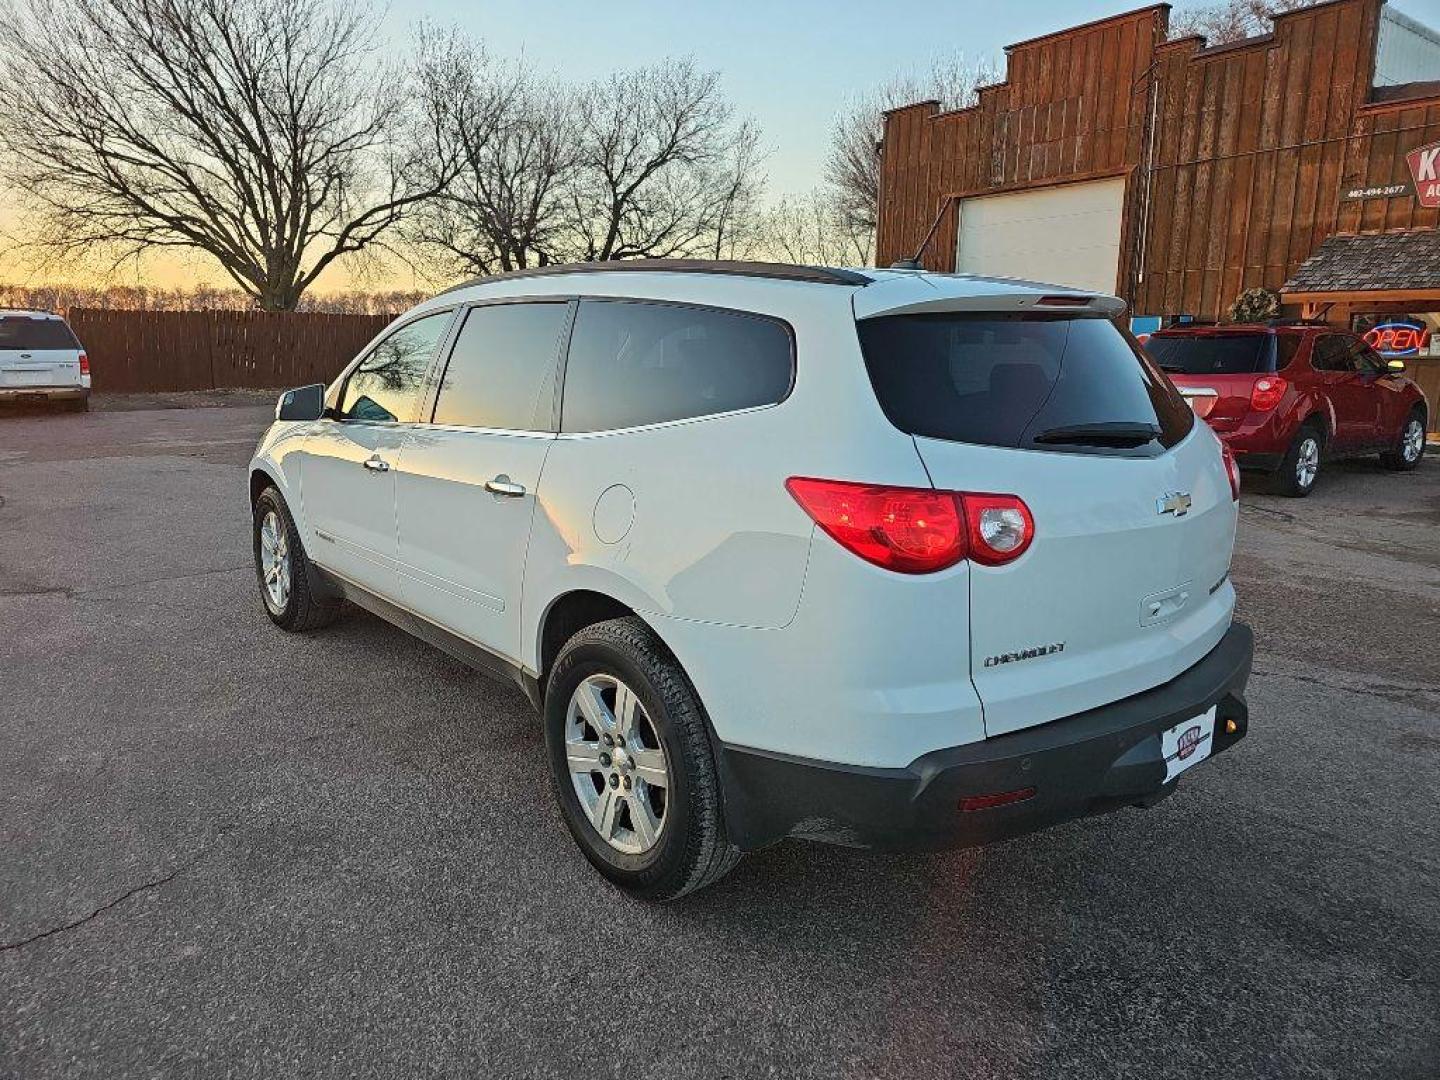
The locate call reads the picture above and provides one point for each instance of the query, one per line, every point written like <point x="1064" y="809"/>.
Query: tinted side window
<point x="501" y="371"/>
<point x="1286" y="346"/>
<point x="387" y="385"/>
<point x="1071" y="385"/>
<point x="644" y="363"/>
<point x="1332" y="353"/>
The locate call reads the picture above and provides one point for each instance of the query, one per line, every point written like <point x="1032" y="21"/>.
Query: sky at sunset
<point x="790" y="64"/>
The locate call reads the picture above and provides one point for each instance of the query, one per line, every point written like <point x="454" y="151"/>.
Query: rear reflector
<point x="970" y="803"/>
<point x="916" y="530"/>
<point x="1232" y="469"/>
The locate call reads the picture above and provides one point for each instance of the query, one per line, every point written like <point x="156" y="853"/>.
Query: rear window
<point x="1077" y="385"/>
<point x="22" y="332"/>
<point x="1220" y="354"/>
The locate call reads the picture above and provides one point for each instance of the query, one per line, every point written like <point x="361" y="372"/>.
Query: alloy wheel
<point x="1307" y="461"/>
<point x="617" y="764"/>
<point x="1412" y="442"/>
<point x="275" y="560"/>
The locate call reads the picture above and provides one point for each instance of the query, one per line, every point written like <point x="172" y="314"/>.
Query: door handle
<point x="503" y="485"/>
<point x="376" y="464"/>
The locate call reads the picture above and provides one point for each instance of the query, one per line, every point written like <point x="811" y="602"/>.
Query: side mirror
<point x="1396" y="366"/>
<point x="302" y="403"/>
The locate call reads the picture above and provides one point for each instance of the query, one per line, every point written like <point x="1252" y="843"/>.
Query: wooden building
<point x="1178" y="175"/>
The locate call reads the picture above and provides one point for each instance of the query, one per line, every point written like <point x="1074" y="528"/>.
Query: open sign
<point x="1397" y="339"/>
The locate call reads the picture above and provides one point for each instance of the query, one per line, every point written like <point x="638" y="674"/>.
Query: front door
<point x="466" y="484"/>
<point x="347" y="474"/>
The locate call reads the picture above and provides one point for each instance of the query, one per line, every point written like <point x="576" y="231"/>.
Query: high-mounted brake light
<point x="1232" y="469"/>
<point x="916" y="530"/>
<point x="1064" y="301"/>
<point x="84" y="364"/>
<point x="1267" y="392"/>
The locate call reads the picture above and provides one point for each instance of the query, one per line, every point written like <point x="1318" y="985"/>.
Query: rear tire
<point x="289" y="584"/>
<point x="618" y="710"/>
<point x="1409" y="445"/>
<point x="78" y="405"/>
<point x="1300" y="468"/>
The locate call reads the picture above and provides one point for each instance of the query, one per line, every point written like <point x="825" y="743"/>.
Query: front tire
<point x="1409" y="446"/>
<point x="1300" y="467"/>
<point x="287" y="580"/>
<point x="631" y="763"/>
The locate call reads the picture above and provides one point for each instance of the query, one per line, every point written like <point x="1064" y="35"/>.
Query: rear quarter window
<point x="633" y="363"/>
<point x="24" y="333"/>
<point x="1075" y="385"/>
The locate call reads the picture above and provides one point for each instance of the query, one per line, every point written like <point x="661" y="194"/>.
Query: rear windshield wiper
<point x="1117" y="433"/>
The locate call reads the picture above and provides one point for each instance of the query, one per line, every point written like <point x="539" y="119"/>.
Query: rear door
<point x="39" y="351"/>
<point x="466" y="484"/>
<point x="1124" y="585"/>
<point x="1336" y="360"/>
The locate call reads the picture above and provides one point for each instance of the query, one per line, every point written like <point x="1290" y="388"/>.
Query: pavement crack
<point x="146" y="886"/>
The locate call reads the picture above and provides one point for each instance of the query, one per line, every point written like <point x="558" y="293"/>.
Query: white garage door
<point x="1068" y="235"/>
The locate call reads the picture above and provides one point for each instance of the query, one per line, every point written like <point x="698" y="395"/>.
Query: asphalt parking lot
<point x="233" y="852"/>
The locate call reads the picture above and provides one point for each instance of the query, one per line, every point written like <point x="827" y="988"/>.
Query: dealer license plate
<point x="1187" y="743"/>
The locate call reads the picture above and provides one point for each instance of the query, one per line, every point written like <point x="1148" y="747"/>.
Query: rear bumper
<point x="16" y="395"/>
<point x="1089" y="763"/>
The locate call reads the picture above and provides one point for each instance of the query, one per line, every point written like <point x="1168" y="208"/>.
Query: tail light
<point x="1001" y="527"/>
<point x="84" y="364"/>
<point x="1232" y="468"/>
<point x="1267" y="392"/>
<point x="916" y="530"/>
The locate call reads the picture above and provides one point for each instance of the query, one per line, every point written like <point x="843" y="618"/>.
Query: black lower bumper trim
<point x="1088" y="763"/>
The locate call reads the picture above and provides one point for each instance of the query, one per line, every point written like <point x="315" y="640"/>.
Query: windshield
<point x="23" y="332"/>
<point x="1215" y="354"/>
<point x="1076" y="385"/>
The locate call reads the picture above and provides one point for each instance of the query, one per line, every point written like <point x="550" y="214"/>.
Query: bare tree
<point x="808" y="229"/>
<point x="262" y="133"/>
<point x="507" y="205"/>
<point x="662" y="163"/>
<point x="853" y="167"/>
<point x="1231" y="20"/>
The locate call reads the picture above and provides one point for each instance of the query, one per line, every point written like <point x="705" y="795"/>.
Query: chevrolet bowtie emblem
<point x="1173" y="502"/>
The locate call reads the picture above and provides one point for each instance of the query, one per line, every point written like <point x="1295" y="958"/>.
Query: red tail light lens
<point x="1267" y="392"/>
<point x="909" y="530"/>
<point x="84" y="364"/>
<point x="1232" y="467"/>
<point x="916" y="530"/>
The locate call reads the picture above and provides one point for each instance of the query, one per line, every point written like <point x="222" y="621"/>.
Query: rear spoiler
<point x="926" y="295"/>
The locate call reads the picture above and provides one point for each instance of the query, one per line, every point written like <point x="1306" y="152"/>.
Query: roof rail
<point x="819" y="275"/>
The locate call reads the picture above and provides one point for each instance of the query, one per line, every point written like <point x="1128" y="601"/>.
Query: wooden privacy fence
<point x="210" y="350"/>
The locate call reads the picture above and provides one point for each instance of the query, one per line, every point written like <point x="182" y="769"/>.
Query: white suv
<point x="42" y="361"/>
<point x="882" y="558"/>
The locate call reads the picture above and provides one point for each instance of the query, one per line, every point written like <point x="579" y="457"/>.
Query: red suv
<point x="1286" y="397"/>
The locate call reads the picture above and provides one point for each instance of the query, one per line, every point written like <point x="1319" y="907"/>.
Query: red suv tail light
<point x="84" y="364"/>
<point x="1267" y="392"/>
<point x="916" y="530"/>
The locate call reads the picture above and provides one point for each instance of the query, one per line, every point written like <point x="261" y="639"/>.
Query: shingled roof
<point x="1385" y="262"/>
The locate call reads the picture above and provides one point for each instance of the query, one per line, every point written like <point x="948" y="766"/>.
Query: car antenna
<point x="914" y="263"/>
